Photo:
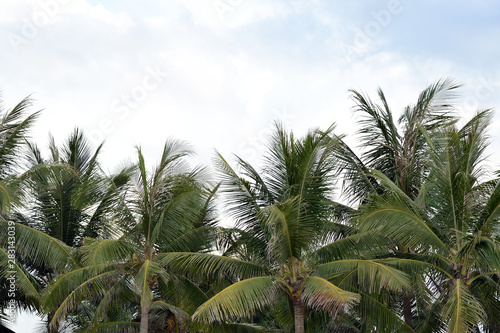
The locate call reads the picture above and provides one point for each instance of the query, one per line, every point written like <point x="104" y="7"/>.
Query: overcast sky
<point x="217" y="73"/>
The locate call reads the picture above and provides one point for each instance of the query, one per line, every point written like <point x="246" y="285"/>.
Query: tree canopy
<point x="397" y="235"/>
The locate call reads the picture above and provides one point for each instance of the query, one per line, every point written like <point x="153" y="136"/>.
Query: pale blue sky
<point x="218" y="72"/>
<point x="230" y="63"/>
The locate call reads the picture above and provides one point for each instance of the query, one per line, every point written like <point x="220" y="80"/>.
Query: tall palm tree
<point x="71" y="198"/>
<point x="282" y="254"/>
<point x="32" y="248"/>
<point x="452" y="227"/>
<point x="14" y="127"/>
<point x="66" y="197"/>
<point x="121" y="281"/>
<point x="399" y="150"/>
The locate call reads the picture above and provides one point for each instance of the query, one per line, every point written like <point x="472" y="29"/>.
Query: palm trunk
<point x="299" y="314"/>
<point x="407" y="308"/>
<point x="144" y="319"/>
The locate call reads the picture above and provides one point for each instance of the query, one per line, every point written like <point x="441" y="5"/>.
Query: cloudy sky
<point x="217" y="73"/>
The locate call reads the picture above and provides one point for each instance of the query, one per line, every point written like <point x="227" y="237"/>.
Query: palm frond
<point x="283" y="223"/>
<point x="320" y="294"/>
<point x="9" y="268"/>
<point x="241" y="200"/>
<point x="113" y="298"/>
<point x="205" y="265"/>
<point x="44" y="250"/>
<point x="379" y="133"/>
<point x="356" y="184"/>
<point x="372" y="274"/>
<point x="398" y="217"/>
<point x="182" y="292"/>
<point x="362" y="244"/>
<point x="96" y="252"/>
<point x="162" y="307"/>
<point x="13" y="131"/>
<point x="68" y="290"/>
<point x="240" y="300"/>
<point x="376" y="315"/>
<point x="143" y="280"/>
<point x="462" y="310"/>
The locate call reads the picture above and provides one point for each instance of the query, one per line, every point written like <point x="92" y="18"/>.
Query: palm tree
<point x="451" y="226"/>
<point x="401" y="155"/>
<point x="14" y="127"/>
<point x="32" y="248"/>
<point x="66" y="197"/>
<point x="71" y="198"/>
<point x="121" y="282"/>
<point x="399" y="152"/>
<point x="281" y="254"/>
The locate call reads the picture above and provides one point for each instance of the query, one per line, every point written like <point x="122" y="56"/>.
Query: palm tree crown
<point x="283" y="223"/>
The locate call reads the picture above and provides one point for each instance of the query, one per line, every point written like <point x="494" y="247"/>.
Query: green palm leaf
<point x="462" y="310"/>
<point x="96" y="252"/>
<point x="39" y="247"/>
<point x="374" y="275"/>
<point x="379" y="315"/>
<point x="116" y="294"/>
<point x="396" y="216"/>
<point x="368" y="243"/>
<point x="240" y="300"/>
<point x="23" y="280"/>
<point x="161" y="306"/>
<point x="143" y="279"/>
<point x="205" y="265"/>
<point x="76" y="286"/>
<point x="320" y="294"/>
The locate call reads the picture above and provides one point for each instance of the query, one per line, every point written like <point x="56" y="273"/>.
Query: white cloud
<point x="226" y="74"/>
<point x="119" y="21"/>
